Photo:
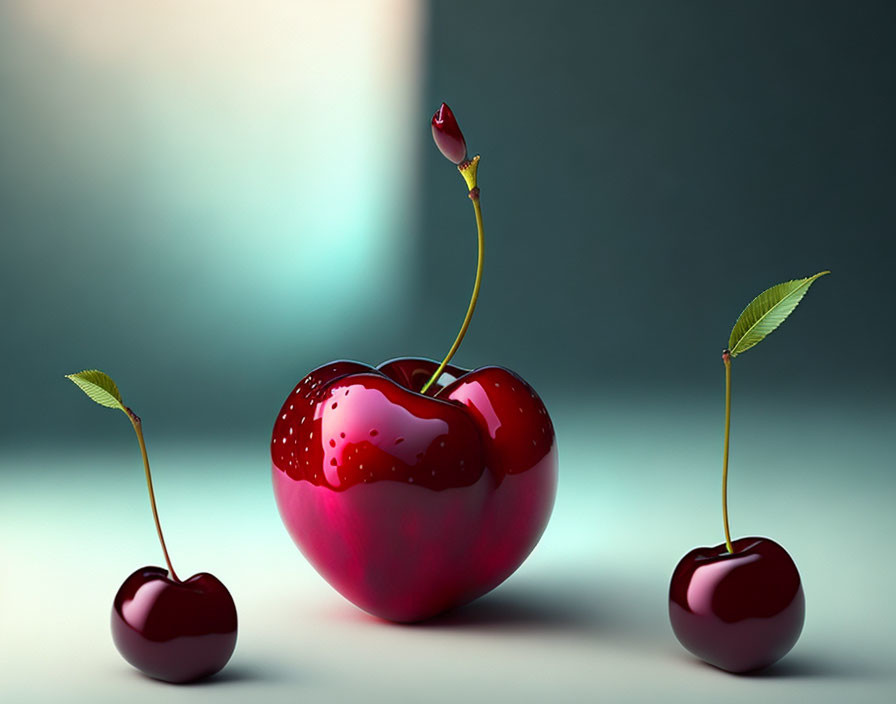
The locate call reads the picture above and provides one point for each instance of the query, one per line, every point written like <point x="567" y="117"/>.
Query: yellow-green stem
<point x="474" y="196"/>
<point x="138" y="428"/>
<point x="726" y="358"/>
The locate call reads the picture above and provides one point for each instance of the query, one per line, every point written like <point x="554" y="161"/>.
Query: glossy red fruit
<point x="739" y="611"/>
<point x="407" y="504"/>
<point x="174" y="631"/>
<point x="447" y="135"/>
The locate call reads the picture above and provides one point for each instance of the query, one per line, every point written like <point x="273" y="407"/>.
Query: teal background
<point x="206" y="200"/>
<point x="169" y="215"/>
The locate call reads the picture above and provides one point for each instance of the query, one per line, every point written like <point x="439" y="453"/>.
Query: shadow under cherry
<point x="805" y="666"/>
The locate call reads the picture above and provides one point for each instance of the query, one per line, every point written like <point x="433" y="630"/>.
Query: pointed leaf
<point x="99" y="387"/>
<point x="766" y="312"/>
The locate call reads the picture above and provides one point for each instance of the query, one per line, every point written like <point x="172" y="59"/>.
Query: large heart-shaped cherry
<point x="739" y="611"/>
<point x="174" y="631"/>
<point x="411" y="504"/>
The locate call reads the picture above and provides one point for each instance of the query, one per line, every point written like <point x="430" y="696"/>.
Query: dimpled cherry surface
<point x="410" y="504"/>
<point x="738" y="611"/>
<point x="174" y="631"/>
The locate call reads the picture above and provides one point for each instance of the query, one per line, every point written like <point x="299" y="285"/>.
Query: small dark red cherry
<point x="447" y="135"/>
<point x="174" y="631"/>
<point x="740" y="605"/>
<point x="739" y="611"/>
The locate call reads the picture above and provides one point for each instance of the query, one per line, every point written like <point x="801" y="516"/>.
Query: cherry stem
<point x="726" y="358"/>
<point x="474" y="196"/>
<point x="138" y="428"/>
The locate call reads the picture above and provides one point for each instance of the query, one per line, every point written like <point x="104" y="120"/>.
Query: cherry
<point x="740" y="605"/>
<point x="411" y="504"/>
<point x="171" y="630"/>
<point x="740" y="610"/>
<point x="415" y="487"/>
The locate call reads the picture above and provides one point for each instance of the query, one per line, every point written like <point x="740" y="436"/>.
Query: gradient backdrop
<point x="206" y="199"/>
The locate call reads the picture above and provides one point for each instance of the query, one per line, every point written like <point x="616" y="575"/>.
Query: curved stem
<point x="726" y="358"/>
<point x="138" y="428"/>
<point x="474" y="196"/>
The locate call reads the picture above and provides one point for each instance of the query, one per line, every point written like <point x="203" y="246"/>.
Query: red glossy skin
<point x="410" y="505"/>
<point x="174" y="631"/>
<point x="447" y="135"/>
<point x="741" y="611"/>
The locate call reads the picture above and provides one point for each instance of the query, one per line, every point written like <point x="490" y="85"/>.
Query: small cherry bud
<point x="447" y="135"/>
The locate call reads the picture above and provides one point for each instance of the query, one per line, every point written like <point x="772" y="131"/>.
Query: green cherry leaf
<point x="99" y="387"/>
<point x="766" y="312"/>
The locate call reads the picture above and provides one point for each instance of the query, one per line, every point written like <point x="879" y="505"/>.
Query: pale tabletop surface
<point x="583" y="620"/>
